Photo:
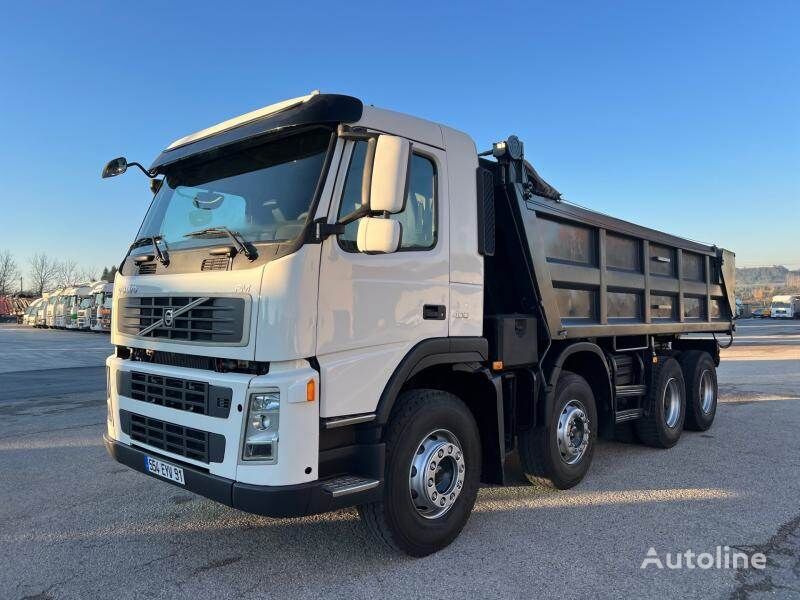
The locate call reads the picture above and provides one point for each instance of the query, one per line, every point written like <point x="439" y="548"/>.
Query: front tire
<point x="433" y="466"/>
<point x="558" y="453"/>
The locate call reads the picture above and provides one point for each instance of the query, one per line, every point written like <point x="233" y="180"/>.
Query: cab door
<point x="373" y="308"/>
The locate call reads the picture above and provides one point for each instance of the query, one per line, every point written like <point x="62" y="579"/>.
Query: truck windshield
<point x="780" y="305"/>
<point x="263" y="193"/>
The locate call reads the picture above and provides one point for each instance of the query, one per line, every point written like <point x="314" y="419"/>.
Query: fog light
<point x="258" y="451"/>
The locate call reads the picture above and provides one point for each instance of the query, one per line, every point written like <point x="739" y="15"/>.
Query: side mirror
<point x="378" y="236"/>
<point x="115" y="167"/>
<point x="389" y="179"/>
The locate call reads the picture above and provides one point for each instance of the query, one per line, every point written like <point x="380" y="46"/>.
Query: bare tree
<point x="67" y="274"/>
<point x="88" y="273"/>
<point x="43" y="272"/>
<point x="8" y="272"/>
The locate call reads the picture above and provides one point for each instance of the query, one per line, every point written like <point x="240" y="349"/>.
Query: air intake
<point x="147" y="268"/>
<point x="218" y="263"/>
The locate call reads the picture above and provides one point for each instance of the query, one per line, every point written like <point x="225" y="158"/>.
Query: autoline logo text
<point x="721" y="558"/>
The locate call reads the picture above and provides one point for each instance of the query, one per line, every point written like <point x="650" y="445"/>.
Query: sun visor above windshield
<point x="324" y="109"/>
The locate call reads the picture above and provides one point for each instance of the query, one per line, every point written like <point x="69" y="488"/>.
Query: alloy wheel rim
<point x="437" y="473"/>
<point x="706" y="392"/>
<point x="574" y="432"/>
<point x="672" y="403"/>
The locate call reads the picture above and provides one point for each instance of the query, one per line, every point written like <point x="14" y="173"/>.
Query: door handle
<point x="434" y="312"/>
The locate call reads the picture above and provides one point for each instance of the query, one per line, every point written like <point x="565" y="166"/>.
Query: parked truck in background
<point x="63" y="308"/>
<point x="31" y="314"/>
<point x="78" y="303"/>
<point x="100" y="312"/>
<point x="52" y="308"/>
<point x="785" y="306"/>
<point x="330" y="305"/>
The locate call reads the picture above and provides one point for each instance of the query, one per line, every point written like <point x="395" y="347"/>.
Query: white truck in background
<point x="100" y="312"/>
<point x="317" y="313"/>
<point x="41" y="311"/>
<point x="63" y="308"/>
<point x="80" y="302"/>
<point x="32" y="313"/>
<point x="52" y="308"/>
<point x="786" y="306"/>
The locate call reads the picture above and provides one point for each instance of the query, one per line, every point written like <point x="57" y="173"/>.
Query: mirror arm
<point x="357" y="214"/>
<point x="150" y="174"/>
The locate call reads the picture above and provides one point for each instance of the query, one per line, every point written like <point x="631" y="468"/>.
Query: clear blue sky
<point x="674" y="115"/>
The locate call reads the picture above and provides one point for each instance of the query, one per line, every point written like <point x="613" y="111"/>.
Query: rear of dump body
<point x="592" y="275"/>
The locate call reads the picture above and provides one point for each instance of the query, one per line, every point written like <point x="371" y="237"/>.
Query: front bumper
<point x="271" y="501"/>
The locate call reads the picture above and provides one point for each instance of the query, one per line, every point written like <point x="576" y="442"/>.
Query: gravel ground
<point x="74" y="524"/>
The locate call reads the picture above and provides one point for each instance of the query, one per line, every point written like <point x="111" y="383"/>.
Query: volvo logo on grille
<point x="170" y="314"/>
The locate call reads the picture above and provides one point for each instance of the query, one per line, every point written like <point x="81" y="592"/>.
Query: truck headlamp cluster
<point x="261" y="437"/>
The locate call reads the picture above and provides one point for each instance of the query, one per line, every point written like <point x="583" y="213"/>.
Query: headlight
<point x="261" y="437"/>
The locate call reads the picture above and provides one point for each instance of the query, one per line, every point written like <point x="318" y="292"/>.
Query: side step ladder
<point x="630" y="391"/>
<point x="349" y="484"/>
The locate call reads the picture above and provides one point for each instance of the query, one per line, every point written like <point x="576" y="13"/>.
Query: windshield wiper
<point x="152" y="240"/>
<point x="242" y="245"/>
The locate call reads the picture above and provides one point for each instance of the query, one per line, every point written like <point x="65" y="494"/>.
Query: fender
<point x="428" y="353"/>
<point x="557" y="366"/>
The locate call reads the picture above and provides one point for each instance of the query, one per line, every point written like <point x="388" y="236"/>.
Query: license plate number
<point x="165" y="470"/>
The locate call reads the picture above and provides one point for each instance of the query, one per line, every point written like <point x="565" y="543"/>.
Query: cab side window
<point x="418" y="218"/>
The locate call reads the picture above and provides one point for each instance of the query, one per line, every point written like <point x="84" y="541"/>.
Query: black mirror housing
<point x="115" y="167"/>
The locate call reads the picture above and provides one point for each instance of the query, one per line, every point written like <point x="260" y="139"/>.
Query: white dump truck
<point x="329" y="304"/>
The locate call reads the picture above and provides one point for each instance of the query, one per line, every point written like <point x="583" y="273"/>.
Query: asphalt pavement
<point x="75" y="524"/>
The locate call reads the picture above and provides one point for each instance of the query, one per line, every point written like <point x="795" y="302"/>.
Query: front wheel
<point x="433" y="465"/>
<point x="558" y="453"/>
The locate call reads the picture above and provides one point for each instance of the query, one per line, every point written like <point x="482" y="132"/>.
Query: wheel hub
<point x="672" y="403"/>
<point x="706" y="391"/>
<point x="437" y="474"/>
<point x="574" y="432"/>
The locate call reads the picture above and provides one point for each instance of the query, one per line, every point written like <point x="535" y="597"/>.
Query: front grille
<point x="174" y="392"/>
<point x="216" y="320"/>
<point x="184" y="441"/>
<point x="218" y="263"/>
<point x="147" y="268"/>
<point x="173" y="359"/>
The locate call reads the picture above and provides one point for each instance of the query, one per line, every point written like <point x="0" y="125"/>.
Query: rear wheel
<point x="433" y="465"/>
<point x="700" y="375"/>
<point x="558" y="453"/>
<point x="666" y="401"/>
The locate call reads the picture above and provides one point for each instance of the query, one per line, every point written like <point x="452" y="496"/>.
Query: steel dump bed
<point x="596" y="276"/>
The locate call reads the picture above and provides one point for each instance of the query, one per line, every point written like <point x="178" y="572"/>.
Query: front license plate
<point x="165" y="470"/>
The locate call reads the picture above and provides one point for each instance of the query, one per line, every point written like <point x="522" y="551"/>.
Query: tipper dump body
<point x="591" y="275"/>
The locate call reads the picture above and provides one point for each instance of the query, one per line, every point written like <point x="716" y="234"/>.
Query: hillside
<point x="758" y="284"/>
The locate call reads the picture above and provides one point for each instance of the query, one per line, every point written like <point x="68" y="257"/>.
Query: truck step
<point x="349" y="484"/>
<point x="628" y="415"/>
<point x="624" y="391"/>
